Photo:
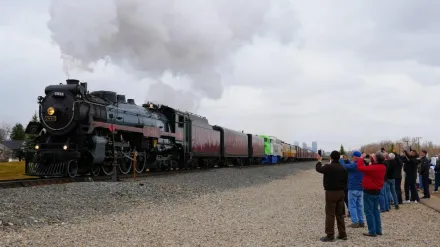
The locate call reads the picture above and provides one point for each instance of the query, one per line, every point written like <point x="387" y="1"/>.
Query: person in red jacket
<point x="372" y="183"/>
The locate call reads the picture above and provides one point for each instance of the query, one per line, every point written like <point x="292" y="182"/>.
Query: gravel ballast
<point x="263" y="206"/>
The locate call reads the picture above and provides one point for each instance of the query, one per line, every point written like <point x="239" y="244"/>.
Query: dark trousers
<point x="346" y="199"/>
<point x="334" y="208"/>
<point x="425" y="181"/>
<point x="398" y="182"/>
<point x="410" y="185"/>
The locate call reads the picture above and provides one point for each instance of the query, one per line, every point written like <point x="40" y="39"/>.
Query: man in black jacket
<point x="410" y="169"/>
<point x="425" y="165"/>
<point x="398" y="164"/>
<point x="437" y="174"/>
<point x="335" y="181"/>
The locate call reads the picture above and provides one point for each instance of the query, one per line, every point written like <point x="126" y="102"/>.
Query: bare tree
<point x="5" y="131"/>
<point x="404" y="143"/>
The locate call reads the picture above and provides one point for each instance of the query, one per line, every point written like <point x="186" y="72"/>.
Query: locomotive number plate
<point x="50" y="118"/>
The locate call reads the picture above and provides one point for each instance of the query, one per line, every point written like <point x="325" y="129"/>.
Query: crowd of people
<point x="370" y="184"/>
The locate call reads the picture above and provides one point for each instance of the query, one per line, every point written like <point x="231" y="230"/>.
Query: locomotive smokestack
<point x="120" y="98"/>
<point x="72" y="82"/>
<point x="131" y="102"/>
<point x="84" y="85"/>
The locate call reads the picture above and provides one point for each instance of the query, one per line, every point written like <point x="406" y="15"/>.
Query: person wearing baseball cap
<point x="355" y="191"/>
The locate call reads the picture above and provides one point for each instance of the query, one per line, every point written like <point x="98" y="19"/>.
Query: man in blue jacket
<point x="355" y="191"/>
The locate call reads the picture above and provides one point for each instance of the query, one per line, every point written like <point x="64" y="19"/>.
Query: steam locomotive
<point x="83" y="133"/>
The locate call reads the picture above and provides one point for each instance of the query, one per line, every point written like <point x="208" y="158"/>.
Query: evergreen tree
<point x="35" y="117"/>
<point x="342" y="151"/>
<point x="391" y="149"/>
<point x="17" y="132"/>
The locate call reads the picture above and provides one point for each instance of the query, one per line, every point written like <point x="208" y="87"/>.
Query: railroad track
<point x="29" y="182"/>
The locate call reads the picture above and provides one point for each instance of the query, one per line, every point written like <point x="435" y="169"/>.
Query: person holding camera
<point x="335" y="181"/>
<point x="354" y="190"/>
<point x="372" y="183"/>
<point x="410" y="169"/>
<point x="425" y="165"/>
<point x="437" y="174"/>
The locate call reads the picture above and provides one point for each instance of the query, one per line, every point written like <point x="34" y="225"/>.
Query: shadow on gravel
<point x="68" y="203"/>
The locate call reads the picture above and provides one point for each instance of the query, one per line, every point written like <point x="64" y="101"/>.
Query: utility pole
<point x="418" y="142"/>
<point x="407" y="141"/>
<point x="399" y="144"/>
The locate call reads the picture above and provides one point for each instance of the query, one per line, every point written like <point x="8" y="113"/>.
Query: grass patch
<point x="12" y="170"/>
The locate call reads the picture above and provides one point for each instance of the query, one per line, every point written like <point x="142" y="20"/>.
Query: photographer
<point x="425" y="165"/>
<point x="372" y="183"/>
<point x="410" y="168"/>
<point x="335" y="181"/>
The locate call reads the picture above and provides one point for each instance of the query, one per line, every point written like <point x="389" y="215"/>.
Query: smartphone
<point x="319" y="152"/>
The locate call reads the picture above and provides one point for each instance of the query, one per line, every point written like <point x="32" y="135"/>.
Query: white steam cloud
<point x="190" y="38"/>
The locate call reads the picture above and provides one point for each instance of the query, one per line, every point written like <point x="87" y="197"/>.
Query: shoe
<point x="379" y="233"/>
<point x="407" y="201"/>
<point x="343" y="237"/>
<point x="396" y="206"/>
<point x="354" y="225"/>
<point x="425" y="197"/>
<point x="369" y="235"/>
<point x="435" y="191"/>
<point x="327" y="239"/>
<point x="361" y="225"/>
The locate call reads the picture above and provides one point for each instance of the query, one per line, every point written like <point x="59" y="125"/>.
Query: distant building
<point x="5" y="153"/>
<point x="296" y="143"/>
<point x="315" y="147"/>
<point x="14" y="149"/>
<point x="304" y="145"/>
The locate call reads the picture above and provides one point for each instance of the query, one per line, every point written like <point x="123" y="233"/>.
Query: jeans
<point x="372" y="213"/>
<point x="398" y="183"/>
<point x="383" y="198"/>
<point x="392" y="191"/>
<point x="355" y="206"/>
<point x="420" y="182"/>
<point x="437" y="181"/>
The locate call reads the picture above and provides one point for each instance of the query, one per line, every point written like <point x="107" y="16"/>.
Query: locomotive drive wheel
<point x="72" y="168"/>
<point x="107" y="168"/>
<point x="141" y="162"/>
<point x="95" y="170"/>
<point x="125" y="165"/>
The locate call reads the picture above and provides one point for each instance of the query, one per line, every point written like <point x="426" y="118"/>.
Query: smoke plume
<point x="190" y="38"/>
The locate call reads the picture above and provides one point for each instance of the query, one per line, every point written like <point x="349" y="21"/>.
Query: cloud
<point x="339" y="72"/>
<point x="149" y="38"/>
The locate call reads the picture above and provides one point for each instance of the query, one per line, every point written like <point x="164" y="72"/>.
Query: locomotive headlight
<point x="50" y="111"/>
<point x="65" y="147"/>
<point x="37" y="147"/>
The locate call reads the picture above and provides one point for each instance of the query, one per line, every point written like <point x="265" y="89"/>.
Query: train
<point x="87" y="133"/>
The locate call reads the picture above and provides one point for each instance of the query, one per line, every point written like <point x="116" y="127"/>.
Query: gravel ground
<point x="66" y="203"/>
<point x="270" y="206"/>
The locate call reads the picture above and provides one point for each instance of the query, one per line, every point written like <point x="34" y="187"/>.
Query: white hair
<point x="392" y="156"/>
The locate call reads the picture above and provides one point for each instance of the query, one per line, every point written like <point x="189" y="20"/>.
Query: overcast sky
<point x="348" y="72"/>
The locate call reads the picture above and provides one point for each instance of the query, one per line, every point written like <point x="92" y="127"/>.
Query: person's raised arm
<point x="319" y="167"/>
<point x="361" y="166"/>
